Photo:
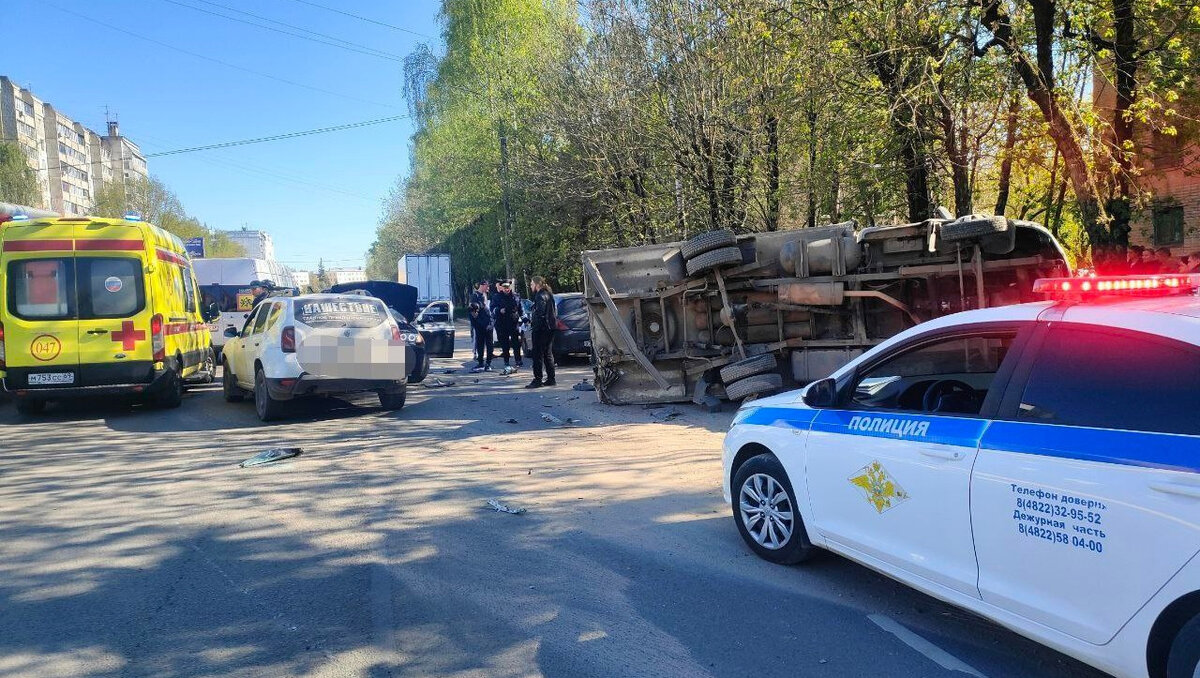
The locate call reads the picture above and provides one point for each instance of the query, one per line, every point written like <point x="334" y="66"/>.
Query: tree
<point x="323" y="281"/>
<point x="156" y="204"/>
<point x="18" y="181"/>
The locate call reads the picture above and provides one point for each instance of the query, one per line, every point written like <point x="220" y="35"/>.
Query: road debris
<point x="583" y="386"/>
<point x="667" y="415"/>
<point x="271" y="455"/>
<point x="450" y="371"/>
<point x="551" y="419"/>
<point x="510" y="421"/>
<point x="504" y="508"/>
<point x="437" y="383"/>
<point x="508" y="370"/>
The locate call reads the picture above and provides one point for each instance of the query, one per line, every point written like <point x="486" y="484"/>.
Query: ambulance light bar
<point x="1133" y="286"/>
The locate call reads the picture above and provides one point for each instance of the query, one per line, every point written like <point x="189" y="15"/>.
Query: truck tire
<point x="972" y="226"/>
<point x="707" y="242"/>
<point x="724" y="256"/>
<point x="757" y="385"/>
<point x="749" y="367"/>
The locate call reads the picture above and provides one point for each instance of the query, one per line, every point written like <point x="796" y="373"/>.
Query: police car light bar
<point x="1142" y="286"/>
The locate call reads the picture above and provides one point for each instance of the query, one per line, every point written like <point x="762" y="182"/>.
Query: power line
<point x="299" y="28"/>
<point x="350" y="47"/>
<point x="277" y="137"/>
<point x="215" y="60"/>
<point x="362" y="18"/>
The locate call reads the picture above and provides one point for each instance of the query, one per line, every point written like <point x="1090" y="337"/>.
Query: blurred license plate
<point x="51" y="378"/>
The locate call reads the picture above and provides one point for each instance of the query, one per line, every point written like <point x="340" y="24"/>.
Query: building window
<point x="27" y="107"/>
<point x="1168" y="226"/>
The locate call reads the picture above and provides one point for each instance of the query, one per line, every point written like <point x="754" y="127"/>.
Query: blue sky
<point x="318" y="196"/>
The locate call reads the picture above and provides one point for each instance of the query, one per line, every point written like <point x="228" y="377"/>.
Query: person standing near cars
<point x="506" y="314"/>
<point x="544" y="325"/>
<point x="261" y="289"/>
<point x="481" y="323"/>
<point x="482" y="296"/>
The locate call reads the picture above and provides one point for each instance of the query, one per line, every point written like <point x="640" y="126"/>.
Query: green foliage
<point x="158" y="205"/>
<point x="18" y="181"/>
<point x="550" y="127"/>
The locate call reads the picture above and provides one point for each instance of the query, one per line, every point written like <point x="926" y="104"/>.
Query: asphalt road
<point x="131" y="544"/>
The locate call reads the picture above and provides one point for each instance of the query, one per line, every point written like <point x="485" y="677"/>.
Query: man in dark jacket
<point x="482" y="297"/>
<point x="481" y="323"/>
<point x="544" y="324"/>
<point x="506" y="314"/>
<point x="261" y="289"/>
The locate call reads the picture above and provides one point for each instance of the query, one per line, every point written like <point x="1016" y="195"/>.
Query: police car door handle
<point x="942" y="454"/>
<point x="98" y="330"/>
<point x="1192" y="491"/>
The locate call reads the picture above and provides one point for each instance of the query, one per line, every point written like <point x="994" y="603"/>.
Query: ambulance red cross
<point x="1037" y="464"/>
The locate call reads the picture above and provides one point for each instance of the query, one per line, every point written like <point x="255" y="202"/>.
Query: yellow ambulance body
<point x="92" y="306"/>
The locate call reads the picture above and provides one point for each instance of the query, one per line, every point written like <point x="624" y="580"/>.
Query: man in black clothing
<point x="483" y="298"/>
<point x="261" y="289"/>
<point x="506" y="314"/>
<point x="543" y="326"/>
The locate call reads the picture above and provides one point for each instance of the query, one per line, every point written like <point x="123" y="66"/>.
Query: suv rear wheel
<point x="171" y="395"/>
<point x="394" y="399"/>
<point x="268" y="408"/>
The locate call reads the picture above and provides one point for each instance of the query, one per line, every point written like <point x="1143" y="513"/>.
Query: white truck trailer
<point x="430" y="274"/>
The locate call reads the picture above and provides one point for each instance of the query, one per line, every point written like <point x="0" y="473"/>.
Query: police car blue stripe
<point x="1128" y="448"/>
<point x="960" y="431"/>
<point x="784" y="417"/>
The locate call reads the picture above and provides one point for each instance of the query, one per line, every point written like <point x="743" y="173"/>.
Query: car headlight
<point x="418" y="339"/>
<point x="742" y="415"/>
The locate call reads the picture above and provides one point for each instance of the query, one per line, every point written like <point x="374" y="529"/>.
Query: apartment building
<point x="338" y="276"/>
<point x="1169" y="169"/>
<point x="71" y="162"/>
<point x="258" y="244"/>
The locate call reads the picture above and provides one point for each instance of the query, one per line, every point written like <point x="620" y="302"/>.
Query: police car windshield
<point x="362" y="312"/>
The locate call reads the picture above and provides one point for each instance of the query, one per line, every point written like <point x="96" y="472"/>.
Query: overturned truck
<point x="725" y="316"/>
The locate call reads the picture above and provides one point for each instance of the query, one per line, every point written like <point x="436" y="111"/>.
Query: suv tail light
<point x="158" y="341"/>
<point x="562" y="325"/>
<point x="2" y="363"/>
<point x="287" y="339"/>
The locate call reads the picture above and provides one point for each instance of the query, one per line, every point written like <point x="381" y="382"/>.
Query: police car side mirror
<point x="230" y="332"/>
<point x="821" y="394"/>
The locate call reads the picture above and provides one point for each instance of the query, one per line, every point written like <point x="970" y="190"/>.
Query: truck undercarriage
<point x="724" y="316"/>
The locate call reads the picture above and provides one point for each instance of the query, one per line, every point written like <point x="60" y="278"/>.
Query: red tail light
<point x="397" y="338"/>
<point x="287" y="340"/>
<point x="2" y="363"/>
<point x="562" y="325"/>
<point x="158" y="342"/>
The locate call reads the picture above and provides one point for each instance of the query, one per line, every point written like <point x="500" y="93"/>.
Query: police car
<point x="1037" y="464"/>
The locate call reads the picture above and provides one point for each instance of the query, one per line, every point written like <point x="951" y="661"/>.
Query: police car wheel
<point x="229" y="387"/>
<point x="267" y="408"/>
<point x="1184" y="660"/>
<point x="764" y="508"/>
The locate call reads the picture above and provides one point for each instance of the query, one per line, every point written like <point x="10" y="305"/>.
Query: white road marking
<point x="932" y="652"/>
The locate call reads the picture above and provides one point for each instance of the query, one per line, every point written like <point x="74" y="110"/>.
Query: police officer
<point x="506" y="314"/>
<point x="482" y="297"/>
<point x="261" y="289"/>
<point x="544" y="325"/>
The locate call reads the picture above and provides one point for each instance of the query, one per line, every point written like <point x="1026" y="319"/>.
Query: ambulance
<point x="92" y="306"/>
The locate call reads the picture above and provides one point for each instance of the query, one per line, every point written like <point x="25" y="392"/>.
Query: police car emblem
<point x="879" y="487"/>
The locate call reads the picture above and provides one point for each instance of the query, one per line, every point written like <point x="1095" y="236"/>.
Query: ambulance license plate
<point x="51" y="378"/>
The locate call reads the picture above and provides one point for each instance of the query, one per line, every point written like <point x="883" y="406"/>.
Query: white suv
<point x="316" y="344"/>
